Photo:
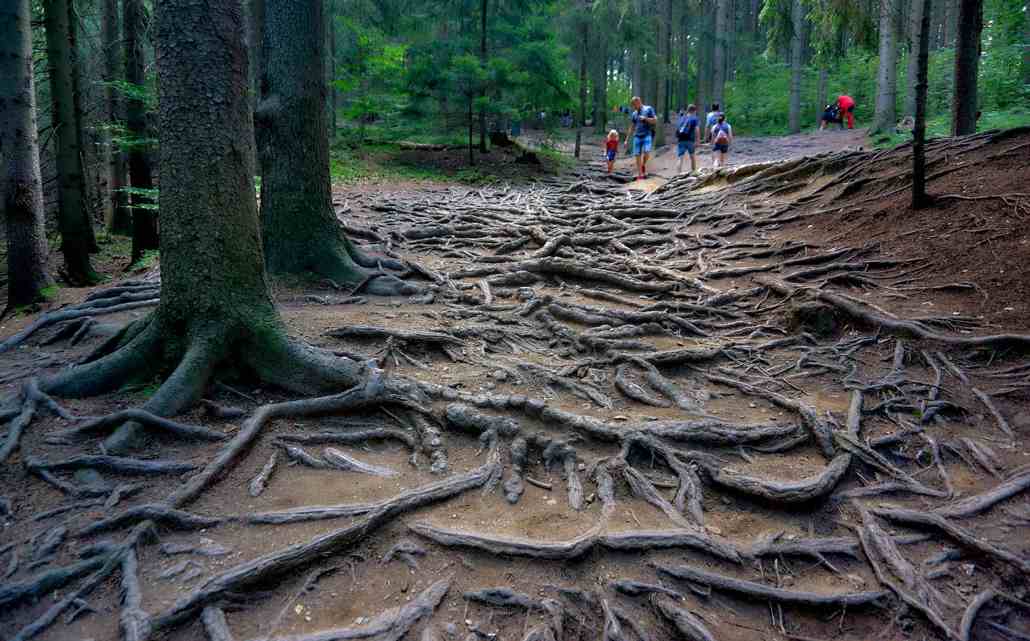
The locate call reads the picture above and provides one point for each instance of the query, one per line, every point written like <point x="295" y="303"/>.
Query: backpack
<point x="722" y="136"/>
<point x="687" y="131"/>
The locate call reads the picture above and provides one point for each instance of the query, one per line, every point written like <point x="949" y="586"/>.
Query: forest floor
<point x="738" y="377"/>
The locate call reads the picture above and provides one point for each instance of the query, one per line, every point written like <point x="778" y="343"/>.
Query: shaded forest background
<point x="455" y="71"/>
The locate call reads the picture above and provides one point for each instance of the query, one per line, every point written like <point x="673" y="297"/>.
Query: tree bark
<point x="721" y="37"/>
<point x="667" y="62"/>
<point x="922" y="54"/>
<point x="144" y="217"/>
<point x="915" y="30"/>
<point x="21" y="190"/>
<point x="885" y="118"/>
<point x="967" y="64"/>
<point x="116" y="214"/>
<point x="76" y="227"/>
<point x="1026" y="48"/>
<point x="333" y="94"/>
<point x="797" y="25"/>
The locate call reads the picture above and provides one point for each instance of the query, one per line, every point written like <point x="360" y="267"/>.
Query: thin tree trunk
<point x="584" y="56"/>
<point x="661" y="72"/>
<point x="684" y="76"/>
<point x="77" y="240"/>
<point x="21" y="190"/>
<point x="719" y="51"/>
<point x="1026" y="48"/>
<point x="117" y="213"/>
<point x="256" y="36"/>
<point x="922" y="52"/>
<point x="600" y="81"/>
<point x="967" y="64"/>
<point x="797" y="24"/>
<point x="820" y="97"/>
<point x="144" y="217"/>
<point x="482" y="59"/>
<point x="915" y="29"/>
<point x="885" y="118"/>
<point x="667" y="62"/>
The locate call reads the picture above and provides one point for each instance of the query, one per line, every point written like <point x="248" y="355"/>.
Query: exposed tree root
<point x="769" y="593"/>
<point x="393" y="624"/>
<point x="116" y="464"/>
<point x="803" y="491"/>
<point x="144" y="418"/>
<point x="297" y="556"/>
<point x="688" y="625"/>
<point x="627" y="541"/>
<point x="160" y="513"/>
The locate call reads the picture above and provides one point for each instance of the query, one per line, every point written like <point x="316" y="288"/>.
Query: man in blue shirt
<point x="641" y="134"/>
<point x="688" y="132"/>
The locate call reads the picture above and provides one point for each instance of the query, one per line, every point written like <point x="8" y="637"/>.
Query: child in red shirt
<point x="611" y="146"/>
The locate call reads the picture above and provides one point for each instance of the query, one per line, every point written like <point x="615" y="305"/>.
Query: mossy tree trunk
<point x="21" y="190"/>
<point x="301" y="234"/>
<point x="144" y="217"/>
<point x="215" y="303"/>
<point x="76" y="227"/>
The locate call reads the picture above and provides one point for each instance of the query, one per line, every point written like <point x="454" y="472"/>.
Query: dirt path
<point x="650" y="412"/>
<point x="664" y="165"/>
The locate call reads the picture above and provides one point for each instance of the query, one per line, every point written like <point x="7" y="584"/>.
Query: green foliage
<point x="146" y="261"/>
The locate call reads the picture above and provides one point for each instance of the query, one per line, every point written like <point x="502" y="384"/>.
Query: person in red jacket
<point x="847" y="108"/>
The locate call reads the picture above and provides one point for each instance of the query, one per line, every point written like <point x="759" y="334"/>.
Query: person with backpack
<point x="722" y="137"/>
<point x="831" y="115"/>
<point x="688" y="132"/>
<point x="643" y="121"/>
<point x="710" y="120"/>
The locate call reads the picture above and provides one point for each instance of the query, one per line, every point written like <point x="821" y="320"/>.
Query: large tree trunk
<point x="21" y="190"/>
<point x="797" y="25"/>
<point x="684" y="75"/>
<point x="117" y="213"/>
<point x="77" y="240"/>
<point x="922" y="53"/>
<point x="1026" y="47"/>
<point x="885" y="117"/>
<point x="144" y="217"/>
<point x="721" y="36"/>
<point x="301" y="233"/>
<point x="967" y="64"/>
<point x="215" y="303"/>
<point x="331" y="72"/>
<point x="915" y="31"/>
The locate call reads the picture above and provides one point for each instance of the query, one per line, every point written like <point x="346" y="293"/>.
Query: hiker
<point x="710" y="120"/>
<point x="846" y="104"/>
<point x="722" y="137"/>
<point x="831" y="115"/>
<point x="611" y="148"/>
<point x="643" y="120"/>
<point x="688" y="132"/>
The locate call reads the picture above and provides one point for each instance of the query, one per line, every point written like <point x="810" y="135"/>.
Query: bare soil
<point x="719" y="222"/>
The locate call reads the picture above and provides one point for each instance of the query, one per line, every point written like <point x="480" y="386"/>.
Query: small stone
<point x="752" y="405"/>
<point x="714" y="530"/>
